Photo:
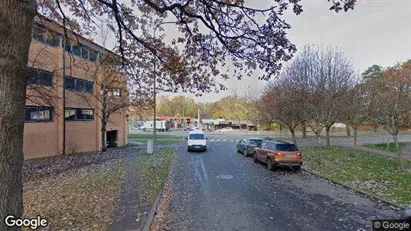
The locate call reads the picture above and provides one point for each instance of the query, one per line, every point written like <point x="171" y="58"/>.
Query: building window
<point x="68" y="46"/>
<point x="116" y="93"/>
<point x="45" y="37"/>
<point x="89" y="86"/>
<point x="113" y="93"/>
<point x="79" y="114"/>
<point x="40" y="77"/>
<point x="76" y="50"/>
<point x="35" y="114"/>
<point x="69" y="83"/>
<point x="82" y="51"/>
<point x="80" y="85"/>
<point x="85" y="114"/>
<point x="70" y="114"/>
<point x="92" y="56"/>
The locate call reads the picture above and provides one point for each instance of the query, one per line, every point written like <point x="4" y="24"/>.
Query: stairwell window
<point x="114" y="93"/>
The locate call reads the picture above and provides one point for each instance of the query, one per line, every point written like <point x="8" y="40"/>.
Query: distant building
<point x="177" y="121"/>
<point x="211" y="124"/>
<point x="44" y="120"/>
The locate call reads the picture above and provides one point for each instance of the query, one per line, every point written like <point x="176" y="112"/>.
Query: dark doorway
<point x="112" y="139"/>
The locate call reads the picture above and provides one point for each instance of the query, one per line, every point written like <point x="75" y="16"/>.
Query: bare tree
<point x="112" y="96"/>
<point x="281" y="103"/>
<point x="327" y="76"/>
<point x="356" y="106"/>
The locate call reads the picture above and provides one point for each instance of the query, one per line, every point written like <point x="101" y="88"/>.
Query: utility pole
<point x="64" y="40"/>
<point x="154" y="85"/>
<point x="199" y="118"/>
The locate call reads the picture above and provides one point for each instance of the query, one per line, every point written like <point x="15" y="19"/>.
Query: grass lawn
<point x="161" y="139"/>
<point x="81" y="199"/>
<point x="154" y="171"/>
<point x="377" y="175"/>
<point x="383" y="146"/>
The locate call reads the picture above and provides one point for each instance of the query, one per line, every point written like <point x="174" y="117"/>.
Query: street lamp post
<point x="154" y="85"/>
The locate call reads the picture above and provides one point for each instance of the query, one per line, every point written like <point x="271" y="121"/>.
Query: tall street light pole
<point x="154" y="85"/>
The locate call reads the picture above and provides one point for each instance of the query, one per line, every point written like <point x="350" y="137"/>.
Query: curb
<point x="366" y="194"/>
<point x="153" y="212"/>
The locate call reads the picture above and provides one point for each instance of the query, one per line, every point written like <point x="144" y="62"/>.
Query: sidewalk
<point x="128" y="204"/>
<point x="133" y="207"/>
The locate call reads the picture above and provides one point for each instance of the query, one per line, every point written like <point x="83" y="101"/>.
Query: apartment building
<point x="63" y="106"/>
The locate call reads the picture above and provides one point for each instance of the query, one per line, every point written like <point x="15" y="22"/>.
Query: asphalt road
<point x="222" y="190"/>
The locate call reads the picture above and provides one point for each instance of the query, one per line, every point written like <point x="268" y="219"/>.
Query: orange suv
<point x="279" y="153"/>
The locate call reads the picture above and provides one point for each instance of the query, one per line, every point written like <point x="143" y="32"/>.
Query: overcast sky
<point x="375" y="32"/>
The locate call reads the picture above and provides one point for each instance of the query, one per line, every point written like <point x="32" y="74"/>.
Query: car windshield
<point x="196" y="137"/>
<point x="286" y="147"/>
<point x="256" y="142"/>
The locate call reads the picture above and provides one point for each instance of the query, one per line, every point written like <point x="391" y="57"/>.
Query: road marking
<point x="224" y="140"/>
<point x="218" y="140"/>
<point x="231" y="140"/>
<point x="212" y="140"/>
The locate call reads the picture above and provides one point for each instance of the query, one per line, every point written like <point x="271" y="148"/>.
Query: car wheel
<point x="255" y="157"/>
<point x="245" y="152"/>
<point x="269" y="164"/>
<point x="297" y="168"/>
<point x="238" y="149"/>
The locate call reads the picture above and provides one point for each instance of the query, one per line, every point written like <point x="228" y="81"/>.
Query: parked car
<point x="247" y="145"/>
<point x="189" y="129"/>
<point x="407" y="213"/>
<point x="196" y="141"/>
<point x="227" y="129"/>
<point x="278" y="153"/>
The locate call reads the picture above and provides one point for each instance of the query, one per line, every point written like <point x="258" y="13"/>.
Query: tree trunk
<point x="347" y="127"/>
<point x="103" y="136"/>
<point x="304" y="128"/>
<point x="16" y="20"/>
<point x="320" y="152"/>
<point x="355" y="136"/>
<point x="388" y="143"/>
<point x="397" y="148"/>
<point x="327" y="134"/>
<point x="293" y="135"/>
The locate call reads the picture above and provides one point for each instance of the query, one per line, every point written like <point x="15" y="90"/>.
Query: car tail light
<point x="299" y="154"/>
<point x="277" y="154"/>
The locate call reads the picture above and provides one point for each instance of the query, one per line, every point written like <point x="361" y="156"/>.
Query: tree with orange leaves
<point x="391" y="102"/>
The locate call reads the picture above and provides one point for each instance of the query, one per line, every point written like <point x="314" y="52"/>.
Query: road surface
<point x="223" y="190"/>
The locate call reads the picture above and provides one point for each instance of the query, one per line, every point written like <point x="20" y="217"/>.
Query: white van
<point x="196" y="141"/>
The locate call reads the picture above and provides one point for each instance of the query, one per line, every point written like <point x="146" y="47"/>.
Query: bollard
<point x="150" y="148"/>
